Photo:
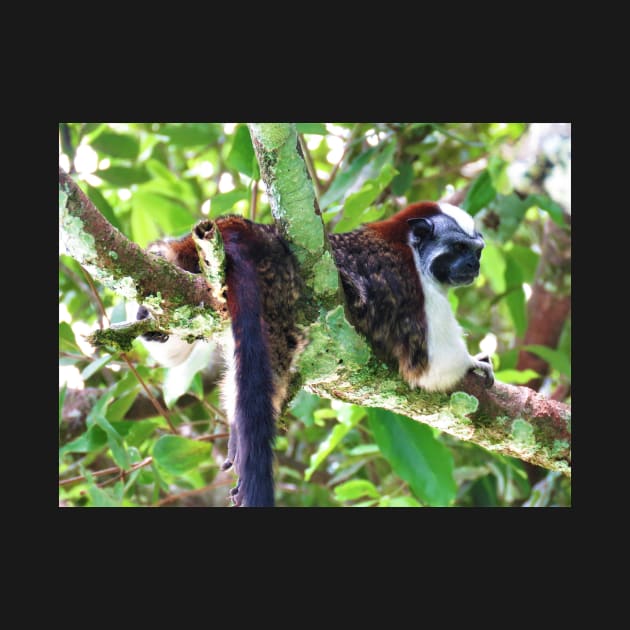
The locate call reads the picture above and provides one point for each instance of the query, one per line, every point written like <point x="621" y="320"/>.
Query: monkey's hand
<point x="482" y="363"/>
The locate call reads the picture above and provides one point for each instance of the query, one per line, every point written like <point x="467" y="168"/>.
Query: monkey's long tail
<point x="254" y="413"/>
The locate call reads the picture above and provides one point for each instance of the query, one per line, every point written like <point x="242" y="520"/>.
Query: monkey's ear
<point x="422" y="228"/>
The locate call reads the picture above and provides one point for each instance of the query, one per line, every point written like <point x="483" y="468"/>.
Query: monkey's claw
<point x="227" y="464"/>
<point x="482" y="363"/>
<point x="235" y="494"/>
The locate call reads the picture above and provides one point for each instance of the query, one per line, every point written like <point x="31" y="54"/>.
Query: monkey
<point x="395" y="274"/>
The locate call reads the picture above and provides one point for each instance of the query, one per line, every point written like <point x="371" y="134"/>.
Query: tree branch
<point x="511" y="420"/>
<point x="125" y="267"/>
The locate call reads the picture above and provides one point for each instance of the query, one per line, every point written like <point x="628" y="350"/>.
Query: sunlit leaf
<point x="510" y="209"/>
<point x="328" y="445"/>
<point x="480" y="194"/>
<point x="97" y="198"/>
<point x="168" y="213"/>
<point x="117" y="145"/>
<point x="224" y="202"/>
<point x="415" y="455"/>
<point x="124" y="176"/>
<point x="403" y="180"/>
<point x="355" y="489"/>
<point x="114" y="441"/>
<point x="515" y="297"/>
<point x="493" y="267"/>
<point x="556" y="359"/>
<point x="517" y="377"/>
<point x="143" y="227"/>
<point x="398" y="502"/>
<point x="549" y="205"/>
<point x="190" y="134"/>
<point x="177" y="455"/>
<point x="95" y="365"/>
<point x="241" y="156"/>
<point x="314" y="128"/>
<point x="67" y="340"/>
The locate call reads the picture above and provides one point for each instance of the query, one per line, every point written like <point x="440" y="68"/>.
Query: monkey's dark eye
<point x="460" y="247"/>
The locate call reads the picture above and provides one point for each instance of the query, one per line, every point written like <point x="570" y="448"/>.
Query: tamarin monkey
<point x="395" y="274"/>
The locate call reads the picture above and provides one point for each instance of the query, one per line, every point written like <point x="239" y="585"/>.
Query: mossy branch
<point x="338" y="364"/>
<point x="124" y="267"/>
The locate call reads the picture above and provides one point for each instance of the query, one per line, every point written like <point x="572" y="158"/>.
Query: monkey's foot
<point x="482" y="363"/>
<point x="235" y="494"/>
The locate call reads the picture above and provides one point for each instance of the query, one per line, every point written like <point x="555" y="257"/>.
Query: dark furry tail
<point x="254" y="421"/>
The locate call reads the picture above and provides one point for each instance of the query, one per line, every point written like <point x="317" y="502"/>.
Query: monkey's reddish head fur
<point x="396" y="229"/>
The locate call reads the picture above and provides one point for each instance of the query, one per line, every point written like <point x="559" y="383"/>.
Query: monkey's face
<point x="444" y="251"/>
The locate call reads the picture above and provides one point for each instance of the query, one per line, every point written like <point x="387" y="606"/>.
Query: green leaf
<point x="364" y="449"/>
<point x="516" y="303"/>
<point x="241" y="156"/>
<point x="511" y="210"/>
<point x="114" y="441"/>
<point x="480" y="194"/>
<point x="525" y="258"/>
<point x="124" y="176"/>
<point x="556" y="359"/>
<point x="101" y="497"/>
<point x="190" y="134"/>
<point x="160" y="171"/>
<point x="349" y="416"/>
<point x="62" y="397"/>
<point x="497" y="168"/>
<point x="96" y="438"/>
<point x="168" y="213"/>
<point x="97" y="198"/>
<point x="403" y="180"/>
<point x="95" y="366"/>
<point x="140" y="431"/>
<point x="119" y="408"/>
<point x="550" y="206"/>
<point x="415" y="455"/>
<point x="357" y="203"/>
<point x="493" y="267"/>
<point x="518" y="377"/>
<point x="515" y="297"/>
<point x="346" y="178"/>
<point x="225" y="201"/>
<point x="314" y="128"/>
<point x="355" y="489"/>
<point x="67" y="340"/>
<point x="398" y="502"/>
<point x="117" y="145"/>
<point x="143" y="227"/>
<point x="177" y="455"/>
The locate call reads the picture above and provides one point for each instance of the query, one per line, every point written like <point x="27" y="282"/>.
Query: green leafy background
<point x="157" y="179"/>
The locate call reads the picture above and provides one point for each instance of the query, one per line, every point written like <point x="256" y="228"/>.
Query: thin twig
<point x="99" y="302"/>
<point x="253" y="201"/>
<point x="310" y="167"/>
<point x="352" y="139"/>
<point x="189" y="493"/>
<point x="156" y="403"/>
<point x="145" y="462"/>
<point x="152" y="398"/>
<point x="106" y="471"/>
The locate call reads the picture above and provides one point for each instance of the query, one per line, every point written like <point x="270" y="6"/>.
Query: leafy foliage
<point x="157" y="179"/>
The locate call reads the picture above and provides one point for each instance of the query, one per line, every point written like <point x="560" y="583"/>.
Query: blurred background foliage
<point x="157" y="179"/>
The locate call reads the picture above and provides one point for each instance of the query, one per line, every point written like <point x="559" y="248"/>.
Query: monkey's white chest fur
<point x="448" y="357"/>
